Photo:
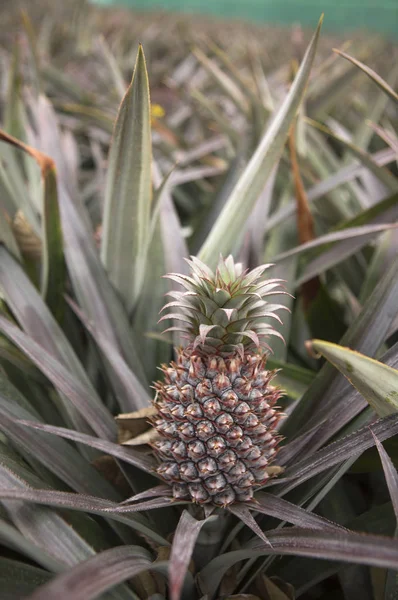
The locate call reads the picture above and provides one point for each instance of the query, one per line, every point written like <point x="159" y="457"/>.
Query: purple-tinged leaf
<point x="271" y="505"/>
<point x="152" y="504"/>
<point x="80" y="396"/>
<point x="342" y="250"/>
<point x="340" y="546"/>
<point x="96" y="575"/>
<point x="243" y="513"/>
<point x="46" y="528"/>
<point x="332" y="418"/>
<point x="293" y="448"/>
<point x="182" y="547"/>
<point x="85" y="503"/>
<point x="58" y="456"/>
<point x="91" y="285"/>
<point x="365" y="335"/>
<point x="159" y="490"/>
<point x="128" y="389"/>
<point x="346" y="174"/>
<point x="335" y="236"/>
<point x="390" y="473"/>
<point x="337" y="452"/>
<point x="40" y="325"/>
<point x="137" y="459"/>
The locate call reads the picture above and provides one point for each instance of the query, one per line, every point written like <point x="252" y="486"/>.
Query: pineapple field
<point x="198" y="308"/>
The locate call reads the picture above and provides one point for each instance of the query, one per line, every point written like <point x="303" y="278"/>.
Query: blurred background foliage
<point x="345" y="15"/>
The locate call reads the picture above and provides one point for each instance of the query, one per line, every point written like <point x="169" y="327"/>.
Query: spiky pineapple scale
<point x="216" y="415"/>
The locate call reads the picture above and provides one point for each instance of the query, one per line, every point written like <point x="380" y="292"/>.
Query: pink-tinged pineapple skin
<point x="216" y="421"/>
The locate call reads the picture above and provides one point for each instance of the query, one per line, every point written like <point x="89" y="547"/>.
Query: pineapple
<point x="216" y="414"/>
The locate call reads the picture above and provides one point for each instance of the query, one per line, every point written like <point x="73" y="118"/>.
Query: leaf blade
<point x="129" y="189"/>
<point x="377" y="382"/>
<point x="252" y="181"/>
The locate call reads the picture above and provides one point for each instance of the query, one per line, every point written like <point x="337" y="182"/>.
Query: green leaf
<point x="384" y="175"/>
<point x="53" y="264"/>
<point x="128" y="194"/>
<point x="377" y="382"/>
<point x="232" y="218"/>
<point x="223" y="80"/>
<point x="144" y="320"/>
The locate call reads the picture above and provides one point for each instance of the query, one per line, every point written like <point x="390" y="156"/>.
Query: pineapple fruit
<point x="216" y="414"/>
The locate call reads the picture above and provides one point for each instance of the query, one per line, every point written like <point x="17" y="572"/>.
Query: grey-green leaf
<point x="129" y="189"/>
<point x="232" y="218"/>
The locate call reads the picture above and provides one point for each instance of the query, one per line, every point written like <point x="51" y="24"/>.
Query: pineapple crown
<point x="225" y="311"/>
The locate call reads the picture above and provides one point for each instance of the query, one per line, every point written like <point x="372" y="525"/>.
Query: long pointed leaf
<point x="346" y="546"/>
<point x="129" y="189"/>
<point x="383" y="85"/>
<point x="94" y="576"/>
<point x="84" y="503"/>
<point x="248" y="188"/>
<point x="127" y="454"/>
<point x="182" y="547"/>
<point x="91" y="284"/>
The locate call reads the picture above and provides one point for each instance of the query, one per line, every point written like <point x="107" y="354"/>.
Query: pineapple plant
<point x="216" y="406"/>
<point x="197" y="487"/>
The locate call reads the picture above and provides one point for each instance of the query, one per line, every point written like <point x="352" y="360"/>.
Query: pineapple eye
<point x="194" y="412"/>
<point x="216" y="483"/>
<point x="216" y="446"/>
<point x="198" y="492"/>
<point x="203" y="390"/>
<point x="225" y="497"/>
<point x="196" y="449"/>
<point x="205" y="430"/>
<point x="224" y="422"/>
<point x="227" y="459"/>
<point x="207" y="466"/>
<point x="221" y="383"/>
<point x="180" y="490"/>
<point x="186" y="431"/>
<point x="188" y="471"/>
<point x="179" y="450"/>
<point x="212" y="408"/>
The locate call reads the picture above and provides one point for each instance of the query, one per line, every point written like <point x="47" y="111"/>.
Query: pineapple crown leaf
<point x="229" y="304"/>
